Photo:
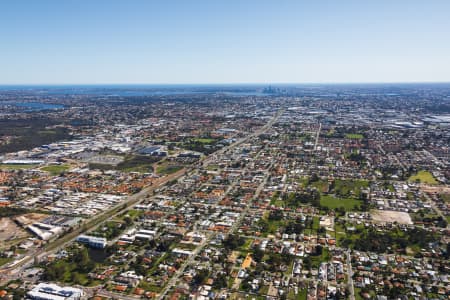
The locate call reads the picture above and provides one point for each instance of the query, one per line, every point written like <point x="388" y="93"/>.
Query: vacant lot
<point x="387" y="216"/>
<point x="424" y="177"/>
<point x="167" y="168"/>
<point x="30" y="218"/>
<point x="105" y="159"/>
<point x="10" y="231"/>
<point x="55" y="169"/>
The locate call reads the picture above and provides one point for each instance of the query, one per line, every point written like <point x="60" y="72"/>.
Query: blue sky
<point x="232" y="41"/>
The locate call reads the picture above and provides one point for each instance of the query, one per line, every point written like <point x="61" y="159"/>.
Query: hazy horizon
<point x="219" y="84"/>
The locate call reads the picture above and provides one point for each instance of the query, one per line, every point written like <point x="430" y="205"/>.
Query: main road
<point x="316" y="142"/>
<point x="350" y="275"/>
<point x="15" y="271"/>
<point x="205" y="242"/>
<point x="242" y="140"/>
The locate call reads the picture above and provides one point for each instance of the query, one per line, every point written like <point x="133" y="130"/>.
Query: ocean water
<point x="136" y="90"/>
<point x="36" y="106"/>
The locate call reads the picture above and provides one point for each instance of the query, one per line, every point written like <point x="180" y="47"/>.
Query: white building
<point x="92" y="241"/>
<point x="47" y="291"/>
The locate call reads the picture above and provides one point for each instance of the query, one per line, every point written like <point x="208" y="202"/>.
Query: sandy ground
<point x="435" y="189"/>
<point x="388" y="216"/>
<point x="236" y="283"/>
<point x="30" y="218"/>
<point x="233" y="256"/>
<point x="273" y="291"/>
<point x="327" y="222"/>
<point x="105" y="159"/>
<point x="10" y="231"/>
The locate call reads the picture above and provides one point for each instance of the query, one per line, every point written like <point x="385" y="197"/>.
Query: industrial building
<point x="92" y="241"/>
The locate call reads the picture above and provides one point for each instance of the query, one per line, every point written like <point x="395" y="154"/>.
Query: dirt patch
<point x="233" y="256"/>
<point x="389" y="216"/>
<point x="9" y="230"/>
<point x="30" y="218"/>
<point x="327" y="222"/>
<point x="435" y="189"/>
<point x="112" y="160"/>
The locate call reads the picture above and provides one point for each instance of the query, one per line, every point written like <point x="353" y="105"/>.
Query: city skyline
<point x="206" y="42"/>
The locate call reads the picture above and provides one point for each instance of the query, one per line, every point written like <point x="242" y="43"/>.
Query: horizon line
<point x="227" y="83"/>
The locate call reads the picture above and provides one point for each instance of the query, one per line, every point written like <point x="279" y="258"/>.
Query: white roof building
<point x="47" y="291"/>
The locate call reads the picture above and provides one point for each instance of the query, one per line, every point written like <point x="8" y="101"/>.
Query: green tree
<point x="258" y="254"/>
<point x="200" y="276"/>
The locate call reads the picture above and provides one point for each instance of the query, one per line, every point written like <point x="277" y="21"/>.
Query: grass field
<point x="138" y="163"/>
<point x="316" y="223"/>
<point x="339" y="233"/>
<point x="358" y="294"/>
<point x="16" y="167"/>
<point x="134" y="213"/>
<point x="321" y="185"/>
<point x="55" y="169"/>
<point x="355" y="136"/>
<point x="317" y="260"/>
<point x="168" y="169"/>
<point x="303" y="182"/>
<point x="131" y="163"/>
<point x="371" y="292"/>
<point x="302" y="294"/>
<point x="150" y="287"/>
<point x="5" y="260"/>
<point x="246" y="246"/>
<point x="332" y="202"/>
<point x="424" y="177"/>
<point x="351" y="236"/>
<point x="276" y="200"/>
<point x="273" y="226"/>
<point x="347" y="187"/>
<point x="213" y="167"/>
<point x="445" y="197"/>
<point x="314" y="228"/>
<point x="204" y="140"/>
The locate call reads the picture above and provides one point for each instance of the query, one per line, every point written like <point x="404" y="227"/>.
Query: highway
<point x="316" y="142"/>
<point x="236" y="224"/>
<point x="18" y="268"/>
<point x="14" y="273"/>
<point x="262" y="130"/>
